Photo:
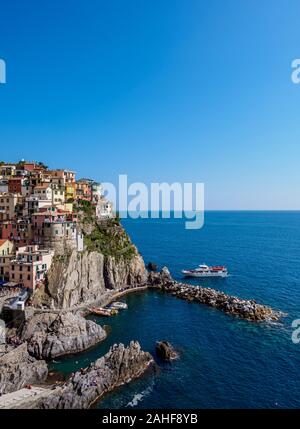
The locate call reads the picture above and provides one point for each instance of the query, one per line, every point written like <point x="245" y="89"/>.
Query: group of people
<point x="9" y="291"/>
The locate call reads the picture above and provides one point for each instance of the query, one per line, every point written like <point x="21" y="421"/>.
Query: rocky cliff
<point x="18" y="368"/>
<point x="119" y="366"/>
<point x="49" y="335"/>
<point x="109" y="261"/>
<point x="121" y="272"/>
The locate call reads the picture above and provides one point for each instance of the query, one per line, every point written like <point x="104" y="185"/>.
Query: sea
<point x="225" y="362"/>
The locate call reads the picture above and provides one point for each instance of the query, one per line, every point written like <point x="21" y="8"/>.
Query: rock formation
<point x="110" y="261"/>
<point x="49" y="335"/>
<point x="166" y="351"/>
<point x="74" y="279"/>
<point x="151" y="266"/>
<point x="119" y="366"/>
<point x="247" y="309"/>
<point x="118" y="273"/>
<point x="18" y="368"/>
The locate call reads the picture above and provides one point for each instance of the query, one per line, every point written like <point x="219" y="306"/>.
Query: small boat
<point x="206" y="271"/>
<point x="100" y="311"/>
<point x="118" y="306"/>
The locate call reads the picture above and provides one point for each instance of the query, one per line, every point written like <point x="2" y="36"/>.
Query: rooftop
<point x="44" y="186"/>
<point x="3" y="242"/>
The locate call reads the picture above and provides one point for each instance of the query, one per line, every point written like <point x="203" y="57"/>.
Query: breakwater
<point x="246" y="309"/>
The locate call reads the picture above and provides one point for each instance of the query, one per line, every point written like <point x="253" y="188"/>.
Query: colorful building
<point x="84" y="189"/>
<point x="6" y="251"/>
<point x="104" y="209"/>
<point x="15" y="185"/>
<point x="6" y="247"/>
<point x="43" y="192"/>
<point x="7" y="170"/>
<point x="17" y="231"/>
<point x="29" y="266"/>
<point x="8" y="205"/>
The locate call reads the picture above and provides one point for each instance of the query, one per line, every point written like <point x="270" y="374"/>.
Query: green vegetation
<point x="85" y="206"/>
<point x="86" y="211"/>
<point x="106" y="236"/>
<point x="110" y="239"/>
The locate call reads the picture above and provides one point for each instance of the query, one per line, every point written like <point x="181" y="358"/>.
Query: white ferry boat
<point x="206" y="271"/>
<point x="118" y="305"/>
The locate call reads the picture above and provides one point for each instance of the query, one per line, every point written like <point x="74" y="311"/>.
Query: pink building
<point x="16" y="231"/>
<point x="30" y="266"/>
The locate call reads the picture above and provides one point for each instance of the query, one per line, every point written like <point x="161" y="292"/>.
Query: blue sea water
<point x="225" y="362"/>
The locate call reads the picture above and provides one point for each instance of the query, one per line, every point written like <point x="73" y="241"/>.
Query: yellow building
<point x="6" y="249"/>
<point x="70" y="192"/>
<point x="8" y="204"/>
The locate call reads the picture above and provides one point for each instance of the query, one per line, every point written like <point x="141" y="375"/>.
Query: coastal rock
<point x="247" y="309"/>
<point x="87" y="278"/>
<point x="121" y="272"/>
<point x="49" y="335"/>
<point x="151" y="266"/>
<point x="158" y="280"/>
<point x="74" y="279"/>
<point x="165" y="351"/>
<point x="119" y="366"/>
<point x="165" y="275"/>
<point x="18" y="368"/>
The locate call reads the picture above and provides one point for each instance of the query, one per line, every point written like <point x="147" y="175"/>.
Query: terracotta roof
<point x="45" y="186"/>
<point x="3" y="242"/>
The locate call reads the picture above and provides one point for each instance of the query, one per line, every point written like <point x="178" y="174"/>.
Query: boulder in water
<point x="166" y="351"/>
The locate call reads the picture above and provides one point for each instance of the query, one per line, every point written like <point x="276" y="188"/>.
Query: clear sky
<point x="161" y="90"/>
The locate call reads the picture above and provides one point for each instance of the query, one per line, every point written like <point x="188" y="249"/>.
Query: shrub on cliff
<point x="109" y="238"/>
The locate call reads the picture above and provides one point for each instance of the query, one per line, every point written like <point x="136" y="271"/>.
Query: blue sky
<point x="162" y="90"/>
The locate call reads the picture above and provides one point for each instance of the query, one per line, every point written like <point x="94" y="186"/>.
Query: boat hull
<point x="197" y="275"/>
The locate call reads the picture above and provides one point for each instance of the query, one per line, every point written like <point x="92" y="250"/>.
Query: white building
<point x="97" y="190"/>
<point x="80" y="244"/>
<point x="43" y="192"/>
<point x="3" y="186"/>
<point x="104" y="209"/>
<point x="34" y="204"/>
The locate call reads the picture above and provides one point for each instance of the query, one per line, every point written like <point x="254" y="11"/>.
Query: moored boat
<point x="206" y="271"/>
<point x="100" y="311"/>
<point x="118" y="305"/>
